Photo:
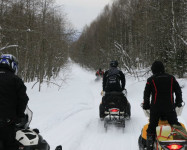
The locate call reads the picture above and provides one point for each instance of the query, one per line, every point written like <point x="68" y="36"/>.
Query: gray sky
<point x="82" y="12"/>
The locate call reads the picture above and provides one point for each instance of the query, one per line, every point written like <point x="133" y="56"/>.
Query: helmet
<point x="9" y="61"/>
<point x="114" y="63"/>
<point x="157" y="67"/>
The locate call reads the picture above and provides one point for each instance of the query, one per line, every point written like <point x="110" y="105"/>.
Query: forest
<point x="38" y="34"/>
<point x="136" y="32"/>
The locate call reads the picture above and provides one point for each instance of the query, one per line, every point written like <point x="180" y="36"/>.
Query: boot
<point x="150" y="142"/>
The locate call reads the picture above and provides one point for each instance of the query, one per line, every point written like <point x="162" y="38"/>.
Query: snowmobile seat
<point x="115" y="99"/>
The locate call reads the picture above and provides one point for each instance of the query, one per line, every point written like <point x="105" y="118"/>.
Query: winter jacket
<point x="13" y="97"/>
<point x="118" y="83"/>
<point x="99" y="73"/>
<point x="162" y="86"/>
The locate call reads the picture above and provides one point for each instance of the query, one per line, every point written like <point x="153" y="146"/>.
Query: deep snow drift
<point x="70" y="116"/>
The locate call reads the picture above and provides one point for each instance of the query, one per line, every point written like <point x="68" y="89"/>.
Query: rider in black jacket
<point x="113" y="79"/>
<point x="161" y="87"/>
<point x="113" y="82"/>
<point x="13" y="100"/>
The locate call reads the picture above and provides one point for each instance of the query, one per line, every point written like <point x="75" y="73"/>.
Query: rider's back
<point x="162" y="87"/>
<point x="113" y="80"/>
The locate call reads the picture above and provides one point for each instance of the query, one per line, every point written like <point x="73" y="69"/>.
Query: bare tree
<point x="143" y="30"/>
<point x="37" y="35"/>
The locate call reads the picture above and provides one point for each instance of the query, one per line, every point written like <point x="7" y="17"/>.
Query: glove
<point x="21" y="121"/>
<point x="146" y="106"/>
<point x="102" y="93"/>
<point x="124" y="92"/>
<point x="178" y="104"/>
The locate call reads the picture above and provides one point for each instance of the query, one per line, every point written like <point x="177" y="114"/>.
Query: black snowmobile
<point x="27" y="138"/>
<point x="116" y="111"/>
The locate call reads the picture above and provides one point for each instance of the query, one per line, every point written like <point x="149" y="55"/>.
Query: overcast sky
<point x="82" y="12"/>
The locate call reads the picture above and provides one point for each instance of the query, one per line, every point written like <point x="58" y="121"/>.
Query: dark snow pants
<point x="154" y="119"/>
<point x="7" y="138"/>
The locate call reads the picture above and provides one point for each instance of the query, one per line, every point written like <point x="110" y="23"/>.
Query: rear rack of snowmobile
<point x="114" y="117"/>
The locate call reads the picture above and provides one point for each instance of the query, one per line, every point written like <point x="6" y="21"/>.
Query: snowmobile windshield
<point x="29" y="114"/>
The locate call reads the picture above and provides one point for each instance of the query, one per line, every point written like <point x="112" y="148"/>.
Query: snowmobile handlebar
<point x="124" y="92"/>
<point x="21" y="122"/>
<point x="177" y="109"/>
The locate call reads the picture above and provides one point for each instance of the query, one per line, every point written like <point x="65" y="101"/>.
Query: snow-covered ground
<point x="70" y="116"/>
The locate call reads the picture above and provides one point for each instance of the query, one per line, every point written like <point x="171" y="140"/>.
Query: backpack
<point x="113" y="80"/>
<point x="180" y="132"/>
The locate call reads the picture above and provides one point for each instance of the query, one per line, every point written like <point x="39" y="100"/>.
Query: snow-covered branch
<point x="184" y="41"/>
<point x="119" y="47"/>
<point x="9" y="46"/>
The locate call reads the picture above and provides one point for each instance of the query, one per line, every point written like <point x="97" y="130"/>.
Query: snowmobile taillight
<point x="174" y="147"/>
<point x="114" y="110"/>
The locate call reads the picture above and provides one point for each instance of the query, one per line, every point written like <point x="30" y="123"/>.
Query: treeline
<point x="36" y="33"/>
<point x="136" y="32"/>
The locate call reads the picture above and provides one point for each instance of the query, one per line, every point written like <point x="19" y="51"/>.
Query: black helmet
<point x="157" y="67"/>
<point x="114" y="63"/>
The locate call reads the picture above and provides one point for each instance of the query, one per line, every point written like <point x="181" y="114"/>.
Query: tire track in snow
<point x="95" y="137"/>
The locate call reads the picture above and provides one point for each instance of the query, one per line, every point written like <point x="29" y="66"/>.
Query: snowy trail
<point x="70" y="116"/>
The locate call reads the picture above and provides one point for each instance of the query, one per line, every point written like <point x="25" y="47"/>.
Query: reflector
<point x="174" y="147"/>
<point x="114" y="110"/>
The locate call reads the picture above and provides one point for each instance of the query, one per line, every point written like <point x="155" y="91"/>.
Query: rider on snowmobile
<point x="13" y="100"/>
<point x="99" y="73"/>
<point x="161" y="86"/>
<point x="113" y="81"/>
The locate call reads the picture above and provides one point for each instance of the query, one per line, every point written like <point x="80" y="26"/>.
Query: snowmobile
<point x="116" y="113"/>
<point x="27" y="138"/>
<point x="167" y="137"/>
<point x="98" y="78"/>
